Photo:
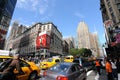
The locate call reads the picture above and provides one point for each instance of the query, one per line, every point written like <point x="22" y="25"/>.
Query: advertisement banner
<point x="43" y="40"/>
<point x="117" y="37"/>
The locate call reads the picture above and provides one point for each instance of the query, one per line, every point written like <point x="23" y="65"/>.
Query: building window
<point x="108" y="4"/>
<point x="118" y="6"/>
<point x="119" y="11"/>
<point x="40" y="28"/>
<point x="43" y="27"/>
<point x="110" y="9"/>
<point x="107" y="0"/>
<point x="112" y="14"/>
<point x="117" y="1"/>
<point x="113" y="17"/>
<point x="48" y="27"/>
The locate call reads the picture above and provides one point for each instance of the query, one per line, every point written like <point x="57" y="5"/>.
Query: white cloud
<point x="40" y="6"/>
<point x="21" y="3"/>
<point x="79" y="15"/>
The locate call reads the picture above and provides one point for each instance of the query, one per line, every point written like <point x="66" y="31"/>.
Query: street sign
<point x="108" y="23"/>
<point x="117" y="31"/>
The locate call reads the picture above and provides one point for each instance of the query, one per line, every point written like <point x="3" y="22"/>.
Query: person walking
<point x="8" y="73"/>
<point x="108" y="67"/>
<point x="118" y="68"/>
<point x="98" y="66"/>
<point x="114" y="69"/>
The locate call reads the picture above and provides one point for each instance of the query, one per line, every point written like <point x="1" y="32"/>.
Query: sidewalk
<point x="92" y="75"/>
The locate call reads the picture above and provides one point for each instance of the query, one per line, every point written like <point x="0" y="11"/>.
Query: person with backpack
<point x="8" y="73"/>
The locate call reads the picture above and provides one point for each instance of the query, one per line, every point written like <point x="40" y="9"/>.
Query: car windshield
<point x="2" y="60"/>
<point x="60" y="68"/>
<point x="4" y="64"/>
<point x="67" y="57"/>
<point x="49" y="60"/>
<point x="76" y="61"/>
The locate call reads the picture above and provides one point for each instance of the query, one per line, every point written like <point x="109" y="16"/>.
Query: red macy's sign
<point x="43" y="40"/>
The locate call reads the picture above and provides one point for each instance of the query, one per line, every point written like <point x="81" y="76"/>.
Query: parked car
<point x="46" y="64"/>
<point x="88" y="65"/>
<point x="65" y="71"/>
<point x="31" y="71"/>
<point x="69" y="58"/>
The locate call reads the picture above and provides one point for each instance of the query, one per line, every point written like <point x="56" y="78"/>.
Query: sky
<point x="65" y="14"/>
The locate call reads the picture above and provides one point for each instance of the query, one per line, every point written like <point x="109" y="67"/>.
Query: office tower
<point x="6" y="12"/>
<point x="95" y="44"/>
<point x="83" y="35"/>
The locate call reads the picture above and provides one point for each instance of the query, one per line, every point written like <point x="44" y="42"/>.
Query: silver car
<point x="65" y="71"/>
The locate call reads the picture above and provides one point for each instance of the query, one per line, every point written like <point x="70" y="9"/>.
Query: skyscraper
<point x="95" y="44"/>
<point x="83" y="35"/>
<point x="6" y="12"/>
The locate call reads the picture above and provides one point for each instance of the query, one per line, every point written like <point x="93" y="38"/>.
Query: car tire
<point x="33" y="76"/>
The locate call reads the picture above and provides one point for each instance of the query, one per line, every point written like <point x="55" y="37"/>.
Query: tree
<point x="73" y="51"/>
<point x="87" y="52"/>
<point x="83" y="52"/>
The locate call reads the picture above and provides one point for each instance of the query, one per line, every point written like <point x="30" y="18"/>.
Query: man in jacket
<point x="98" y="66"/>
<point x="8" y="73"/>
<point x="118" y="67"/>
<point x="108" y="67"/>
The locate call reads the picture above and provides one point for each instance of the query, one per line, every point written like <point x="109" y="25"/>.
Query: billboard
<point x="43" y="40"/>
<point x="117" y="37"/>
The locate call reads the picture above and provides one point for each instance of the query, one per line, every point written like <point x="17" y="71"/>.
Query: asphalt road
<point x="91" y="75"/>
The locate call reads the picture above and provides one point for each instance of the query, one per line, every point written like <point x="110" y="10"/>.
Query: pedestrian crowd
<point x="112" y="67"/>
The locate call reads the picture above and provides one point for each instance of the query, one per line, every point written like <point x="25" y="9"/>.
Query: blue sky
<point x="65" y="14"/>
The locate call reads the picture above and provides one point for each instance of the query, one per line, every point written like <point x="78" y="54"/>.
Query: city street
<point x="77" y="41"/>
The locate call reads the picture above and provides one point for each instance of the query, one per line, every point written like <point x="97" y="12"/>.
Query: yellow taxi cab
<point x="3" y="58"/>
<point x="49" y="63"/>
<point x="68" y="58"/>
<point x="31" y="71"/>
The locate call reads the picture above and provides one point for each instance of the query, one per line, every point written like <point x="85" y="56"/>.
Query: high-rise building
<point x="88" y="40"/>
<point x="6" y="12"/>
<point x="70" y="42"/>
<point x="95" y="44"/>
<point x="110" y="10"/>
<point x="65" y="49"/>
<point x="83" y="36"/>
